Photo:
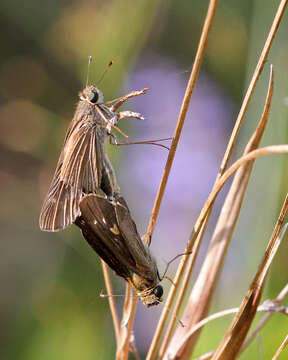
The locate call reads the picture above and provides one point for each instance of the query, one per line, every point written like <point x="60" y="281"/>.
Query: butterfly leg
<point x="120" y="101"/>
<point x="109" y="182"/>
<point x="112" y="123"/>
<point x="113" y="139"/>
<point x="130" y="114"/>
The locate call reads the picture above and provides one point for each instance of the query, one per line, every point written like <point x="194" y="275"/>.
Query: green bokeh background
<point x="50" y="308"/>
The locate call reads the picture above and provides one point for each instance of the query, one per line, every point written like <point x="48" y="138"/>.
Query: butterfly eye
<point x="93" y="97"/>
<point x="158" y="291"/>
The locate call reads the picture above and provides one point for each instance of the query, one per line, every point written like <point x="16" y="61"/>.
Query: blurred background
<point x="50" y="282"/>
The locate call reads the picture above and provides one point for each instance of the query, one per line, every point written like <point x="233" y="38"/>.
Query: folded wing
<point x="78" y="172"/>
<point x="118" y="244"/>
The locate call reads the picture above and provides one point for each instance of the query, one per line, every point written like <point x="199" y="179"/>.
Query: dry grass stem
<point x="235" y="335"/>
<point x="257" y="72"/>
<point x="186" y="100"/>
<point x="206" y="356"/>
<point x="129" y="309"/>
<point x="111" y="300"/>
<point x="252" y="155"/>
<point x="272" y="308"/>
<point x="183" y="111"/>
<point x="272" y="149"/>
<point x="193" y="237"/>
<point x="203" y="290"/>
<point x="182" y="292"/>
<point x="281" y="348"/>
<point x="279" y="299"/>
<point x="240" y="162"/>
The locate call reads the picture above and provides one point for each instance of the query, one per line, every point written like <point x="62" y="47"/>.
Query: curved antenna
<point x="169" y="263"/>
<point x="111" y="62"/>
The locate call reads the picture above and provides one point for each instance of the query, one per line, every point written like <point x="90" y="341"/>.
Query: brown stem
<point x="183" y="111"/>
<point x="281" y="348"/>
<point x="186" y="100"/>
<point x="111" y="300"/>
<point x="257" y="72"/>
<point x="205" y="285"/>
<point x="277" y="301"/>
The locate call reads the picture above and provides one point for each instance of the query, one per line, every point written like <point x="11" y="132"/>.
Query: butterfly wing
<point x="112" y="233"/>
<point x="99" y="226"/>
<point x="145" y="264"/>
<point x="78" y="171"/>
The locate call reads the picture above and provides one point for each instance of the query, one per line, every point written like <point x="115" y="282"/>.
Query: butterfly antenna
<point x="88" y="69"/>
<point x="105" y="71"/>
<point x="168" y="278"/>
<point x="170" y="262"/>
<point x="106" y="296"/>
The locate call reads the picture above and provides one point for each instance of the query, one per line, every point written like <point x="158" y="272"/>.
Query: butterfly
<point x="108" y="227"/>
<point x="83" y="166"/>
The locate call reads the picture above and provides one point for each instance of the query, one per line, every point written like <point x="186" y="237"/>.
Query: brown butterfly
<point x="108" y="227"/>
<point x="83" y="166"/>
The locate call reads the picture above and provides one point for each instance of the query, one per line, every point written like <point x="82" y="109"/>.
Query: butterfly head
<point x="152" y="296"/>
<point x="149" y="290"/>
<point x="92" y="95"/>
